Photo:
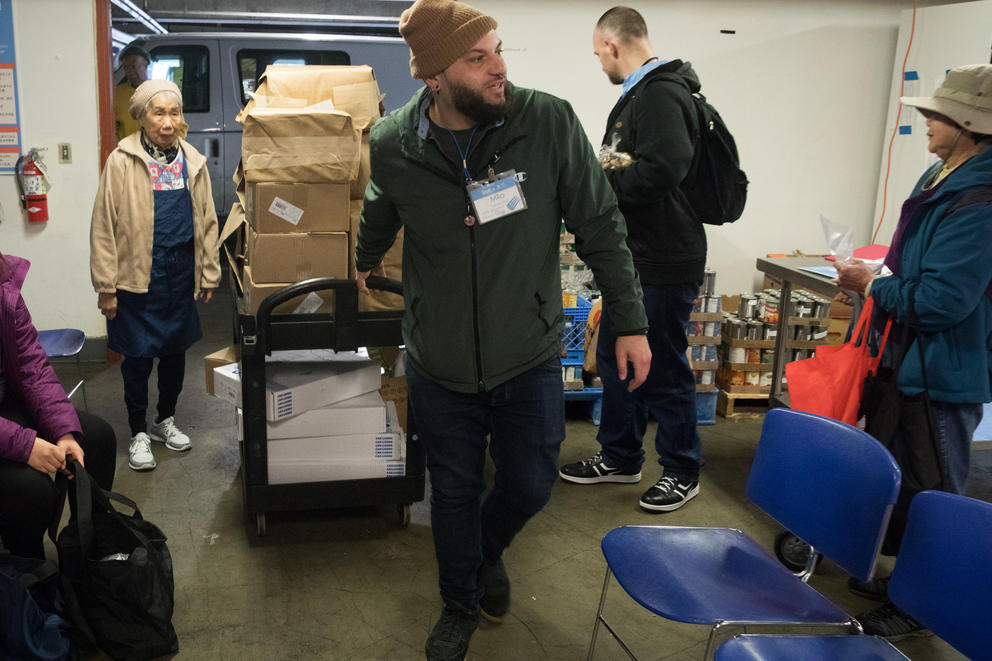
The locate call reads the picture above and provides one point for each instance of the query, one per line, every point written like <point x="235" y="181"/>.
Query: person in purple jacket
<point x="40" y="430"/>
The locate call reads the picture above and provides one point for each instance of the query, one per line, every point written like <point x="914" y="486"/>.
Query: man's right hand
<point x="361" y="276"/>
<point x="107" y="304"/>
<point x="46" y="457"/>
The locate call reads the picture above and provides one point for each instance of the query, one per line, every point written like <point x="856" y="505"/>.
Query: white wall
<point x="931" y="54"/>
<point x="803" y="85"/>
<point x="55" y="46"/>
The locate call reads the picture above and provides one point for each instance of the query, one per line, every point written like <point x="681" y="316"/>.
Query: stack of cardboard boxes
<point x="302" y="177"/>
<point x="301" y="181"/>
<point x="325" y="418"/>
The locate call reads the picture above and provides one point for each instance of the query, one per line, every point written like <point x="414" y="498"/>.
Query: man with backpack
<point x="648" y="153"/>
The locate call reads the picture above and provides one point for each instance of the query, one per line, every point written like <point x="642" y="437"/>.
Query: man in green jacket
<point x="480" y="175"/>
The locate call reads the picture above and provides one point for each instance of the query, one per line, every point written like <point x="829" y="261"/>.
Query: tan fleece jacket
<point x="123" y="224"/>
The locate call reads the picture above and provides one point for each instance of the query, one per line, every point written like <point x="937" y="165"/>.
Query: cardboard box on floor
<point x="295" y="257"/>
<point x="294" y="387"/>
<point x="351" y="89"/>
<point x="274" y="208"/>
<point x="296" y="145"/>
<point x="225" y="356"/>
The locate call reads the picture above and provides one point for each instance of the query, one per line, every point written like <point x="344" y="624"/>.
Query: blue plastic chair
<point x="942" y="577"/>
<point x="66" y="343"/>
<point x="831" y="484"/>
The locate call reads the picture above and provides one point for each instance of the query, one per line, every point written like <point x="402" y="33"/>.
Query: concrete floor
<point x="353" y="584"/>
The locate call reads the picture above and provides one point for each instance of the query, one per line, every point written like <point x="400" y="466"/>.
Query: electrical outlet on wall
<point x="65" y="153"/>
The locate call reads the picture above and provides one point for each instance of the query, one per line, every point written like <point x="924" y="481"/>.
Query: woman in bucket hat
<point x="941" y="263"/>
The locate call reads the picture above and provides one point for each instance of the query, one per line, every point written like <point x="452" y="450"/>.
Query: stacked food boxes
<point x="325" y="417"/>
<point x="303" y="172"/>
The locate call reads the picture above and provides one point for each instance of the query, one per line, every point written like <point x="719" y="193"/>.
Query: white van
<point x="217" y="71"/>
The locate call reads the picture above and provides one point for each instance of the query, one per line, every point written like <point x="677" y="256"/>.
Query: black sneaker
<point x="595" y="469"/>
<point x="891" y="623"/>
<point x="449" y="639"/>
<point x="495" y="601"/>
<point x="670" y="493"/>
<point x="876" y="589"/>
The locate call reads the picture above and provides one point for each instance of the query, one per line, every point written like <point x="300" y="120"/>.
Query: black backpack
<point x="716" y="187"/>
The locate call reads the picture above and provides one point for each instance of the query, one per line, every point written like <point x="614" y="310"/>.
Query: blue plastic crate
<point x="574" y="337"/>
<point x="706" y="408"/>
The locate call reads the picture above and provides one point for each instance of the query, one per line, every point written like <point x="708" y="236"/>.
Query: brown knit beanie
<point x="439" y="32"/>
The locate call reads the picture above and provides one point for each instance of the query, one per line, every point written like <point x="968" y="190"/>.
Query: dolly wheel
<point x="260" y="524"/>
<point x="791" y="551"/>
<point x="403" y="511"/>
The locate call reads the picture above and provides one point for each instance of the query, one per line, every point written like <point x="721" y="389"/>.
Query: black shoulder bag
<point x="906" y="426"/>
<point x="116" y="575"/>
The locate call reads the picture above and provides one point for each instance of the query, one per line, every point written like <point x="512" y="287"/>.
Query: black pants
<point x="171" y="370"/>
<point x="28" y="497"/>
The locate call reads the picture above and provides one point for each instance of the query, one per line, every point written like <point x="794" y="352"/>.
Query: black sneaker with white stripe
<point x="596" y="469"/>
<point x="669" y="493"/>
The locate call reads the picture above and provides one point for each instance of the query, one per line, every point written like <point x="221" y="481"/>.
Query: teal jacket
<point x="946" y="267"/>
<point x="483" y="302"/>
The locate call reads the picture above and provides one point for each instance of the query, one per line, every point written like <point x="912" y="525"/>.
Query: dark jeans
<point x="171" y="370"/>
<point x="525" y="421"/>
<point x="28" y="497"/>
<point x="956" y="424"/>
<point x="669" y="392"/>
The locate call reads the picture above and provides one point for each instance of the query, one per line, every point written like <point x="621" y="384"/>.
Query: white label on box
<point x="310" y="304"/>
<point x="288" y="212"/>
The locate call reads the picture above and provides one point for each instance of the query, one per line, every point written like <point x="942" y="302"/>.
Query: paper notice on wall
<point x="288" y="212"/>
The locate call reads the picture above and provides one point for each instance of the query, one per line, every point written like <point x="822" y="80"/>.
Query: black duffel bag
<point x="116" y="575"/>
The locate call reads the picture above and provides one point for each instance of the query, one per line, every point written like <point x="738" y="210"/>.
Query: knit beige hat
<point x="439" y="32"/>
<point x="146" y="91"/>
<point x="965" y="96"/>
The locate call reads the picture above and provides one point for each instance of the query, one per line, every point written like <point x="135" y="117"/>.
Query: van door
<point x="193" y="65"/>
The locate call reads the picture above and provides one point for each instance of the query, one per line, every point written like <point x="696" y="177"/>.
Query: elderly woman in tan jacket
<point x="153" y="253"/>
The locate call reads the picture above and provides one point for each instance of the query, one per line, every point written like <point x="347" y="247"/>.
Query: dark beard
<point x="471" y="104"/>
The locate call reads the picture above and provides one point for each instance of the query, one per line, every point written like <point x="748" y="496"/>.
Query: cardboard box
<point x="351" y="447"/>
<point x="255" y="292"/>
<point x="295" y="472"/>
<point x="294" y="387"/>
<point x="289" y="145"/>
<point x="232" y="238"/>
<point x="295" y="257"/>
<point x="273" y="208"/>
<point x="224" y="356"/>
<point x="365" y="414"/>
<point x="394" y="390"/>
<point x="361" y="182"/>
<point x="351" y="89"/>
<point x="392" y="262"/>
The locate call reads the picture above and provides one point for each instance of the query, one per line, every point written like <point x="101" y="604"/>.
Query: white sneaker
<point x="166" y="432"/>
<point x="141" y="453"/>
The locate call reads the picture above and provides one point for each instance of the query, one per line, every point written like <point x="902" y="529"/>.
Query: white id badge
<point x="498" y="198"/>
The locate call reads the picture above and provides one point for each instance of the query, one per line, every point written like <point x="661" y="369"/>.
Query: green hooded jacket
<point x="483" y="302"/>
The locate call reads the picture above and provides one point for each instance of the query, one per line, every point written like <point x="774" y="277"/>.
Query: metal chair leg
<point x="599" y="614"/>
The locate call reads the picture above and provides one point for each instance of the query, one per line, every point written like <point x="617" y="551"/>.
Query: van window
<point x="188" y="67"/>
<point x="252" y="63"/>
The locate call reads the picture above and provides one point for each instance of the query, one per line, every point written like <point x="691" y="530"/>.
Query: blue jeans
<point x="525" y="421"/>
<point x="669" y="392"/>
<point x="956" y="424"/>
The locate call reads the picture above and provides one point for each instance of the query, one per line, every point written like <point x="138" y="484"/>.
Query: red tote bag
<point x="831" y="382"/>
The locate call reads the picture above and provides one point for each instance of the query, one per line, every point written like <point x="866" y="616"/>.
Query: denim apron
<point x="163" y="321"/>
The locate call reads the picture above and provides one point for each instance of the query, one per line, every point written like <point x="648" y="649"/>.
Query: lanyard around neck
<point x="464" y="154"/>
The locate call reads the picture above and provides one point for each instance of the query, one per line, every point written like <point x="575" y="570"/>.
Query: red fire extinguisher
<point x="32" y="184"/>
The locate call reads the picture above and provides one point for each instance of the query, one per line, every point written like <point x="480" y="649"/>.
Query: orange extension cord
<point x="895" y="129"/>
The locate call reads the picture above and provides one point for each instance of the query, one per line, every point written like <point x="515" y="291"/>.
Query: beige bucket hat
<point x="965" y="96"/>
